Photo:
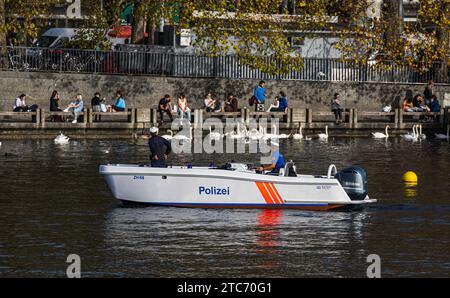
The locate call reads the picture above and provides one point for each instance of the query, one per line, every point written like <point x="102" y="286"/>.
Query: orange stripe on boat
<point x="272" y="193"/>
<point x="277" y="193"/>
<point x="264" y="193"/>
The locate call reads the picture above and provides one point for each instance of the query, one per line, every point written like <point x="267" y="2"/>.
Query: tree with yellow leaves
<point x="422" y="45"/>
<point x="21" y="16"/>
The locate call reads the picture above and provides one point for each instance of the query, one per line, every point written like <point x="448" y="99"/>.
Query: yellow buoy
<point x="410" y="177"/>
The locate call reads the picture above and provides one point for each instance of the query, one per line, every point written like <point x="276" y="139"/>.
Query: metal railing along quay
<point x="140" y="62"/>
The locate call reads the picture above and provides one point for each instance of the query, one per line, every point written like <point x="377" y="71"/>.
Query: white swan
<point x="441" y="136"/>
<point x="213" y="135"/>
<point x="324" y="136"/>
<point x="255" y="134"/>
<point x="387" y="109"/>
<point x="168" y="137"/>
<point x="420" y="134"/>
<point x="236" y="134"/>
<point x="183" y="137"/>
<point x="411" y="137"/>
<point x="61" y="139"/>
<point x="274" y="135"/>
<point x="380" y="135"/>
<point x="299" y="135"/>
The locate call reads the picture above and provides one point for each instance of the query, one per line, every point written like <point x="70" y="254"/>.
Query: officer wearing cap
<point x="160" y="149"/>
<point x="277" y="160"/>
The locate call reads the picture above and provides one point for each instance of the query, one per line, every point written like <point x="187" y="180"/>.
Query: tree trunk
<point x="151" y="30"/>
<point x="2" y="23"/>
<point x="394" y="24"/>
<point x="443" y="44"/>
<point x="138" y="23"/>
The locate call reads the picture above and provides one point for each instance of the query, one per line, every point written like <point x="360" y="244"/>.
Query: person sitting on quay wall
<point x="280" y="104"/>
<point x="95" y="105"/>
<point x="103" y="107"/>
<point x="76" y="107"/>
<point x="119" y="105"/>
<point x="336" y="108"/>
<point x="183" y="110"/>
<point x="209" y="103"/>
<point x="165" y="106"/>
<point x="407" y="105"/>
<point x="260" y="94"/>
<point x="54" y="106"/>
<point x="95" y="102"/>
<point x="418" y="104"/>
<point x="435" y="107"/>
<point x="231" y="104"/>
<point x="20" y="104"/>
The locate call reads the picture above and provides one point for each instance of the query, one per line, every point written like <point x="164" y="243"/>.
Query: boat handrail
<point x="331" y="168"/>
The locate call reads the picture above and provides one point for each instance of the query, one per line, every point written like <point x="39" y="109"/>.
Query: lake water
<point x="54" y="203"/>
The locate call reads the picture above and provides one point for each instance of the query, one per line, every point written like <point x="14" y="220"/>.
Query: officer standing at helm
<point x="160" y="149"/>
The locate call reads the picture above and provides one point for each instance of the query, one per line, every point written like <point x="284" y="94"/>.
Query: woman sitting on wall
<point x="119" y="106"/>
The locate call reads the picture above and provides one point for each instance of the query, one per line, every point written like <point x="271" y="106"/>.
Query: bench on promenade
<point x="283" y="117"/>
<point x="375" y="117"/>
<point x="412" y="117"/>
<point x="128" y="116"/>
<point x="155" y="118"/>
<point x="327" y="116"/>
<point x="320" y="119"/>
<point x="61" y="119"/>
<point x="223" y="115"/>
<point x="22" y="117"/>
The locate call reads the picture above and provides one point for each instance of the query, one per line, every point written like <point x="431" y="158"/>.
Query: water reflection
<point x="267" y="228"/>
<point x="55" y="203"/>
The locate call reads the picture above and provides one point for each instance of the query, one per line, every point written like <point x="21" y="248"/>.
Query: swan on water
<point x="255" y="134"/>
<point x="411" y="137"/>
<point x="299" y="134"/>
<point x="420" y="134"/>
<point x="274" y="134"/>
<point x="236" y="134"/>
<point x="214" y="135"/>
<point x="61" y="139"/>
<point x="168" y="137"/>
<point x="324" y="136"/>
<point x="441" y="136"/>
<point x="183" y="137"/>
<point x="380" y="135"/>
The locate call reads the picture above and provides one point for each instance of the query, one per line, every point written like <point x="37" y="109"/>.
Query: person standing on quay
<point x="95" y="104"/>
<point x="260" y="94"/>
<point x="428" y="93"/>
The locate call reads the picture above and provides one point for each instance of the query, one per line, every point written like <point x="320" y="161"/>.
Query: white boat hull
<point x="215" y="188"/>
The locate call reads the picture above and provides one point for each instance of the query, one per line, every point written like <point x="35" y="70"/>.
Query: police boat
<point x="236" y="185"/>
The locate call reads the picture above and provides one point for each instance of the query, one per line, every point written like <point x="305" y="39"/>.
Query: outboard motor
<point x="354" y="182"/>
<point x="290" y="170"/>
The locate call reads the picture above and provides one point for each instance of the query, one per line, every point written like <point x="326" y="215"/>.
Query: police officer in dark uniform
<point x="160" y="149"/>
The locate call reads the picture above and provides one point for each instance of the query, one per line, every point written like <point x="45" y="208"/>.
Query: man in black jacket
<point x="160" y="149"/>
